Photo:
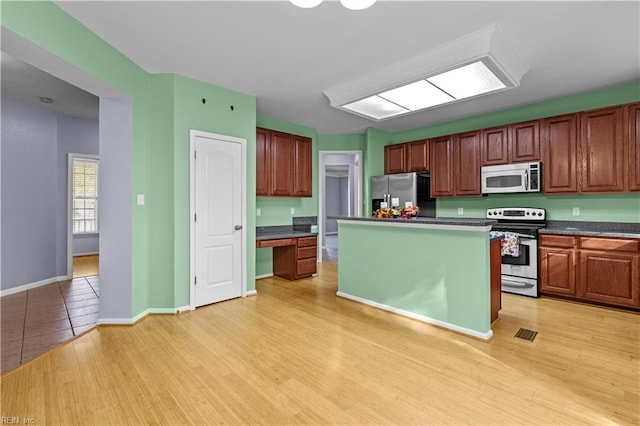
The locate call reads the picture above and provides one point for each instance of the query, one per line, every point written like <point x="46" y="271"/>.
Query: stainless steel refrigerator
<point x="399" y="188"/>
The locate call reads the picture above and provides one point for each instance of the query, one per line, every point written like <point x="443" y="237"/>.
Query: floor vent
<point x="525" y="334"/>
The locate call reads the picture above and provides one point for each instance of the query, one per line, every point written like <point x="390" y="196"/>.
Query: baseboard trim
<point x="141" y="315"/>
<point x="258" y="277"/>
<point x="422" y="318"/>
<point x="92" y="253"/>
<point x="182" y="309"/>
<point x="33" y="285"/>
<point x="251" y="293"/>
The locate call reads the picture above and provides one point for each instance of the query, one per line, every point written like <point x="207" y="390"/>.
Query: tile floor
<point x="35" y="321"/>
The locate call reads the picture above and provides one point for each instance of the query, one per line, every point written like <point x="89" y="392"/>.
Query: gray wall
<point x="29" y="200"/>
<point x="34" y="209"/>
<point x="336" y="199"/>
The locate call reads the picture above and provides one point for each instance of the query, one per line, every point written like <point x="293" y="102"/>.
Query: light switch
<point x="460" y="211"/>
<point x="576" y="211"/>
<point x="258" y="212"/>
<point x="140" y="199"/>
<point x="293" y="210"/>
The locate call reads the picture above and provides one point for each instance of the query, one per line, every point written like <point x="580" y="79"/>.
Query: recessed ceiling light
<point x="357" y="4"/>
<point x="306" y="4"/>
<point x="476" y="64"/>
<point x="45" y="100"/>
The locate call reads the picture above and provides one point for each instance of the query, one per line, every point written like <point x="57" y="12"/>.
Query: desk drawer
<point x="279" y="242"/>
<point x="306" y="266"/>
<point x="307" y="241"/>
<point x="306" y="252"/>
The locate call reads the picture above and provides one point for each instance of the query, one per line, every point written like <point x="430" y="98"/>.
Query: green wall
<point x="418" y="270"/>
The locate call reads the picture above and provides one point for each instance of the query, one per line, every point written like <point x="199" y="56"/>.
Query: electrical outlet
<point x="460" y="211"/>
<point x="140" y="199"/>
<point x="293" y="210"/>
<point x="258" y="212"/>
<point x="576" y="211"/>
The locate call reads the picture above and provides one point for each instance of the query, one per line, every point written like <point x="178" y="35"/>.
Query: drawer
<point x="307" y="241"/>
<point x="279" y="242"/>
<point x="610" y="244"/>
<point x="306" y="266"/>
<point x="306" y="252"/>
<point x="557" y="240"/>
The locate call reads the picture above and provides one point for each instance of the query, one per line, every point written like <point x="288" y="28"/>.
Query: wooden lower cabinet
<point x="495" y="264"/>
<point x="609" y="277"/>
<point x="591" y="269"/>
<point x="296" y="260"/>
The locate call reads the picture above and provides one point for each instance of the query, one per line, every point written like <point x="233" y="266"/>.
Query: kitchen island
<point x="436" y="270"/>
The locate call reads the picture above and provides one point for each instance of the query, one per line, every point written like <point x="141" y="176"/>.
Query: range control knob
<point x="539" y="213"/>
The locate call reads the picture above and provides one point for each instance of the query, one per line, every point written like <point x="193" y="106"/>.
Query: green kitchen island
<point x="435" y="270"/>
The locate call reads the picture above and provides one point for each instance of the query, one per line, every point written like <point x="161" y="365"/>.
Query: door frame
<point x="192" y="207"/>
<point x="357" y="201"/>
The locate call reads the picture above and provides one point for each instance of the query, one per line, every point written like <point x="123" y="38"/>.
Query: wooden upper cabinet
<point x="282" y="157"/>
<point x="524" y="142"/>
<point x="467" y="164"/>
<point x="602" y="150"/>
<point x="442" y="176"/>
<point x="302" y="181"/>
<point x="495" y="146"/>
<point x="633" y="126"/>
<point x="263" y="139"/>
<point x="559" y="137"/>
<point x="394" y="159"/>
<point x="417" y="156"/>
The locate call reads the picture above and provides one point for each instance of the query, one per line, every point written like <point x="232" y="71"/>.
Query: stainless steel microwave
<point x="510" y="178"/>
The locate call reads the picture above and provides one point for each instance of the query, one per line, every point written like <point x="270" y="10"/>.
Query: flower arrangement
<point x="405" y="213"/>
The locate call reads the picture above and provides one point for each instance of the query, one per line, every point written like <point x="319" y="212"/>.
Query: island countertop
<point x="461" y="224"/>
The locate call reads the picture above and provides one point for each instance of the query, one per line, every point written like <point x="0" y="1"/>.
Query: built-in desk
<point x="294" y="257"/>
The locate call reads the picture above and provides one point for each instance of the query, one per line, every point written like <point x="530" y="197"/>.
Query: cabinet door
<point x="442" y="167"/>
<point x="418" y="156"/>
<point x="558" y="271"/>
<point x="302" y="178"/>
<point x="262" y="161"/>
<point x="601" y="150"/>
<point x="495" y="146"/>
<point x="634" y="146"/>
<point x="282" y="153"/>
<point x="394" y="159"/>
<point x="524" y="142"/>
<point x="467" y="164"/>
<point x="609" y="277"/>
<point x="560" y="154"/>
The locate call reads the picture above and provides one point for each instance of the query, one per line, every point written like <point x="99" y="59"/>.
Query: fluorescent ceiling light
<point x="470" y="80"/>
<point x="376" y="107"/>
<point x="306" y="4"/>
<point x="476" y="64"/>
<point x="357" y="4"/>
<point x="417" y="96"/>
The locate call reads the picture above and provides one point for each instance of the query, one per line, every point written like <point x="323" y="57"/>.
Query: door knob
<point x="238" y="227"/>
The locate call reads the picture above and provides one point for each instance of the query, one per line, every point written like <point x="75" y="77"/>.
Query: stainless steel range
<point x="520" y="273"/>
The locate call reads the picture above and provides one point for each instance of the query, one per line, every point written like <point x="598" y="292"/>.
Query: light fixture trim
<point x="376" y="107"/>
<point x="357" y="4"/>
<point x="487" y="45"/>
<point x="306" y="4"/>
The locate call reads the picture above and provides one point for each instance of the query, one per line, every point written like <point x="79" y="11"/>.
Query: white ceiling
<point x="287" y="56"/>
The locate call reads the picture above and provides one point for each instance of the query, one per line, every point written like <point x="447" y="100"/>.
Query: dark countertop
<point x="283" y="231"/>
<point x="424" y="220"/>
<point x="592" y="229"/>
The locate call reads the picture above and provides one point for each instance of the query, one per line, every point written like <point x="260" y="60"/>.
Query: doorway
<point x="340" y="192"/>
<point x="218" y="191"/>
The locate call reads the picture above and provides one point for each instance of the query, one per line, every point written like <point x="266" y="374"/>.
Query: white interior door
<point x="218" y="219"/>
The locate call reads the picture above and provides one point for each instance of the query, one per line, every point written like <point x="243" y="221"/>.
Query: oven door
<point x="520" y="274"/>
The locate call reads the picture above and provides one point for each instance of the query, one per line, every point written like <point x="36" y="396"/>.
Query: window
<point x="84" y="187"/>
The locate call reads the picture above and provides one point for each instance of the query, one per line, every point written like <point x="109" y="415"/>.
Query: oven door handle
<point x="513" y="283"/>
<point x="525" y="236"/>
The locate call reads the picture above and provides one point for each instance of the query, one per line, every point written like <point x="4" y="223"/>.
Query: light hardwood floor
<point x="297" y="354"/>
<point x="86" y="266"/>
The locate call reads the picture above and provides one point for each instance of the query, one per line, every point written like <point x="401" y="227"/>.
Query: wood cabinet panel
<point x="495" y="263"/>
<point x="417" y="156"/>
<point x="394" y="159"/>
<point x="609" y="277"/>
<point x="495" y="146"/>
<point x="263" y="159"/>
<point x="558" y="271"/>
<point x="633" y="131"/>
<point x="615" y="244"/>
<point x="306" y="267"/>
<point x="442" y="176"/>
<point x="302" y="177"/>
<point x="278" y="242"/>
<point x="467" y="164"/>
<point x="524" y="142"/>
<point x="559" y="137"/>
<point x="307" y="252"/>
<point x="307" y="241"/>
<point x="296" y="259"/>
<point x="602" y="150"/>
<point x="282" y="153"/>
<point x="557" y="240"/>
